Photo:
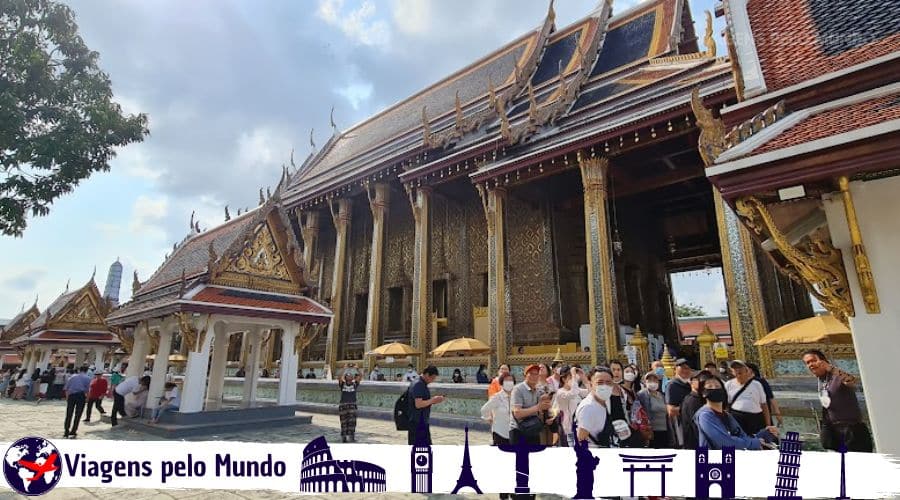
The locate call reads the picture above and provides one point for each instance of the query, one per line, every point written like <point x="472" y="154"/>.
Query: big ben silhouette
<point x="420" y="463"/>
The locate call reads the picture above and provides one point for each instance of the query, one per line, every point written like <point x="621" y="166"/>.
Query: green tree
<point x="690" y="309"/>
<point x="58" y="123"/>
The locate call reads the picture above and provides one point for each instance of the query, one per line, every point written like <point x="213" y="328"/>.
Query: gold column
<point x="705" y="341"/>
<point x="745" y="307"/>
<point x="378" y="203"/>
<point x="419" y="199"/>
<point x="494" y="203"/>
<point x="341" y="219"/>
<point x="860" y="258"/>
<point x="640" y="342"/>
<point x="309" y="232"/>
<point x="601" y="286"/>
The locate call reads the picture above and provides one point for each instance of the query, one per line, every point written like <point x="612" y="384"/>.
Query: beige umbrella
<point x="462" y="345"/>
<point x="817" y="329"/>
<point x="394" y="349"/>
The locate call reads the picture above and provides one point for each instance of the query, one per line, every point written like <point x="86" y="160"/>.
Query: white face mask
<point x="507" y="385"/>
<point x="630" y="376"/>
<point x="603" y="392"/>
<point x="652" y="386"/>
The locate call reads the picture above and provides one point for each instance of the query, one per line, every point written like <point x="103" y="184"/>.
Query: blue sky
<point x="230" y="88"/>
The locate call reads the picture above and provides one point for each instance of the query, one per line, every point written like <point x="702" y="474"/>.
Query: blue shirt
<point x="718" y="431"/>
<point x="78" y="383"/>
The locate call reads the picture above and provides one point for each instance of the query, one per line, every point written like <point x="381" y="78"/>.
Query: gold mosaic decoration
<point x="82" y="312"/>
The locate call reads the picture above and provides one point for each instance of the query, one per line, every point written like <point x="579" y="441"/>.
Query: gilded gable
<point x="82" y="311"/>
<point x="260" y="264"/>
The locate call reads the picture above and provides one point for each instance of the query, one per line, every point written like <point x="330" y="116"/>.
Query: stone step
<point x="172" y="430"/>
<point x="386" y="414"/>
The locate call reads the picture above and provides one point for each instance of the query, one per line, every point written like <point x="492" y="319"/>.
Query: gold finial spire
<point x="459" y="112"/>
<point x="227" y="215"/>
<point x="426" y="128"/>
<point x="712" y="131"/>
<point x="532" y="104"/>
<point x="551" y="13"/>
<point x="312" y="140"/>
<point x="135" y="283"/>
<point x="708" y="40"/>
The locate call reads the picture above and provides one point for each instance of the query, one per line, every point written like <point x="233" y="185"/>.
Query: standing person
<point x="528" y="402"/>
<point x="35" y="383"/>
<point x="716" y="427"/>
<point x="618" y="370"/>
<point x="311" y="374"/>
<point x="841" y="417"/>
<point x="679" y="388"/>
<point x="592" y="415"/>
<point x="347" y="407"/>
<point x="170" y="401"/>
<point x="771" y="402"/>
<point x="481" y="376"/>
<point x="59" y="381"/>
<point x="689" y="407"/>
<point x="240" y="373"/>
<point x="457" y="376"/>
<point x="654" y="403"/>
<point x="567" y="399"/>
<point x="410" y="375"/>
<point x="553" y="381"/>
<point x="5" y="377"/>
<point x="76" y="390"/>
<point x="660" y="371"/>
<point x="630" y="383"/>
<point x="747" y="399"/>
<point x="498" y="410"/>
<point x="23" y="382"/>
<point x="724" y="372"/>
<point x="543" y="377"/>
<point x="494" y="388"/>
<point x="99" y="388"/>
<point x="420" y="403"/>
<point x="46" y="381"/>
<point x="128" y="386"/>
<point x="376" y="374"/>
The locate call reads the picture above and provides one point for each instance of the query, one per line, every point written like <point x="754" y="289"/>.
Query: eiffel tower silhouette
<point x="465" y="475"/>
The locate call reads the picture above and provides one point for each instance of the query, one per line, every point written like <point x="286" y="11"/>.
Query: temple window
<point x="440" y="305"/>
<point x="359" y="313"/>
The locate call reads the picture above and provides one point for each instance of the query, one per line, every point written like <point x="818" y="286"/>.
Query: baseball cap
<point x="681" y="361"/>
<point x="532" y="367"/>
<point x="737" y="362"/>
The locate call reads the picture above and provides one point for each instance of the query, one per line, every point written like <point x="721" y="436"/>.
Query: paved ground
<point x="19" y="418"/>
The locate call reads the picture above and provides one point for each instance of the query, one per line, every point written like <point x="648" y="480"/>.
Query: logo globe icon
<point x="32" y="466"/>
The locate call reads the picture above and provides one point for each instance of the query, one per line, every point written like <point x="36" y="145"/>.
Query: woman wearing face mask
<point x="498" y="409"/>
<point x="566" y="402"/>
<point x="717" y="428"/>
<point x="654" y="403"/>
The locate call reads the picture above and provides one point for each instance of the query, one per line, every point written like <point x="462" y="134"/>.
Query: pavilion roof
<point x="566" y="64"/>
<point x="798" y="40"/>
<point x="75" y="316"/>
<point x="19" y="324"/>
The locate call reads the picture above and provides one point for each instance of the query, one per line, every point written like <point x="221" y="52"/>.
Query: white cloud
<point x="147" y="214"/>
<point x="357" y="24"/>
<point x="263" y="146"/>
<point x="356" y="93"/>
<point x="413" y="17"/>
<point x="706" y="291"/>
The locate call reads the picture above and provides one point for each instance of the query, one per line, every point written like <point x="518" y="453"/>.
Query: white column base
<point x="251" y="378"/>
<point x="217" y="370"/>
<point x="160" y="367"/>
<point x="287" y="383"/>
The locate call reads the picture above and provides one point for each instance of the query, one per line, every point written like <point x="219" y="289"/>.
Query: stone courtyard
<point x="21" y="418"/>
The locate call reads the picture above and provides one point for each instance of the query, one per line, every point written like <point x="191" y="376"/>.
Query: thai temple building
<point x="537" y="199"/>
<point x="73" y="324"/>
<point x="806" y="157"/>
<point x="10" y="355"/>
<point x="240" y="283"/>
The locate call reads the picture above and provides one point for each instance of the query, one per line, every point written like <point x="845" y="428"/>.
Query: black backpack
<point x="401" y="411"/>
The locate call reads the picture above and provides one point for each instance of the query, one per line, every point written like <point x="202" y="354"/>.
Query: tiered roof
<point x="599" y="74"/>
<point x="249" y="266"/>
<point x="74" y="317"/>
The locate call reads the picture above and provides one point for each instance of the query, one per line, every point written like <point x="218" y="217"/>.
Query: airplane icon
<point x="40" y="470"/>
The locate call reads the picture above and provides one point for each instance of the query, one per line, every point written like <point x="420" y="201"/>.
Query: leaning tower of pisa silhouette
<point x="788" y="467"/>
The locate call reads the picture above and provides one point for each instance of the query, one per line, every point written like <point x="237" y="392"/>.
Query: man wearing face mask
<point x="678" y="389"/>
<point x="592" y="416"/>
<point x="660" y="371"/>
<point x="528" y="406"/>
<point x="841" y="416"/>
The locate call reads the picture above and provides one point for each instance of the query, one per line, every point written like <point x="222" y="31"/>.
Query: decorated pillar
<point x="287" y="382"/>
<point x="746" y="312"/>
<point x="217" y="366"/>
<point x="45" y="358"/>
<point x="160" y="365"/>
<point x="139" y="351"/>
<point x="81" y="355"/>
<point x="494" y="203"/>
<point x="705" y="341"/>
<point x="341" y="219"/>
<point x="420" y="200"/>
<point x="251" y="378"/>
<point x="378" y="203"/>
<point x="309" y="232"/>
<point x="604" y="325"/>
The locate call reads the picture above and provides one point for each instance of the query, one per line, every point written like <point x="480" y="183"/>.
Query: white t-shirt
<point x="173" y="397"/>
<point x="128" y="386"/>
<point x="591" y="416"/>
<point x="751" y="400"/>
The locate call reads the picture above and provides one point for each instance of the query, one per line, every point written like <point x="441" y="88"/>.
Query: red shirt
<point x="99" y="386"/>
